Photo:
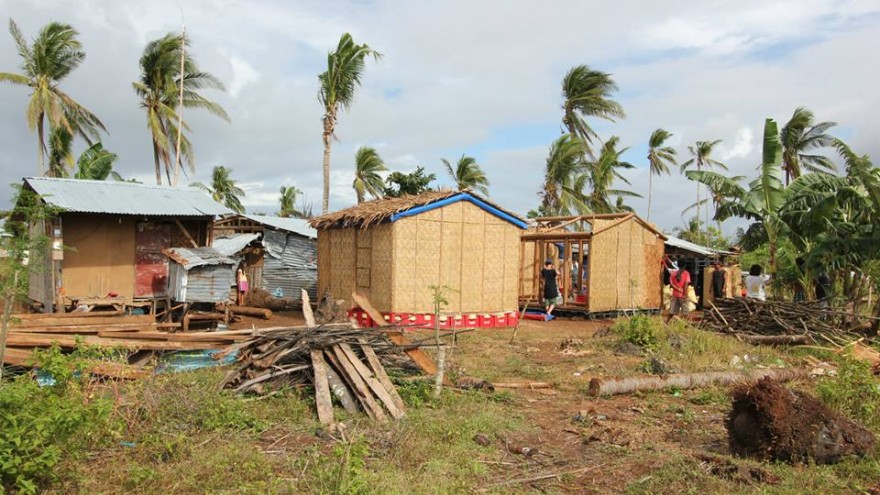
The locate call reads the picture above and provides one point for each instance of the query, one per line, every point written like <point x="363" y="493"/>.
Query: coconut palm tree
<point x="601" y="175"/>
<point x="96" y="163"/>
<point x="467" y="175"/>
<point x="564" y="177"/>
<point x="345" y="66"/>
<point x="52" y="55"/>
<point x="158" y="88"/>
<point x="801" y="135"/>
<point x="287" y="202"/>
<point x="60" y="156"/>
<point x="224" y="189"/>
<point x="587" y="93"/>
<point x="660" y="158"/>
<point x="701" y="153"/>
<point x="367" y="165"/>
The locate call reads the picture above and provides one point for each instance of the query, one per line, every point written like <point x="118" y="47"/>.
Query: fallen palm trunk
<point x="776" y="339"/>
<point x="771" y="422"/>
<point x="616" y="386"/>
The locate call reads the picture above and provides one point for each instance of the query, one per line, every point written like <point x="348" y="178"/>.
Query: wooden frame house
<point x="607" y="262"/>
<point x="394" y="250"/>
<point x="109" y="237"/>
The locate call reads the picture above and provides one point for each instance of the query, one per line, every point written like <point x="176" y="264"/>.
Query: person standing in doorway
<point x="551" y="286"/>
<point x="679" y="280"/>
<point x="719" y="280"/>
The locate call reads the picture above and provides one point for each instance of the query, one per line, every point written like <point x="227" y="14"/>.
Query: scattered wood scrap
<point x="774" y="322"/>
<point x="337" y="360"/>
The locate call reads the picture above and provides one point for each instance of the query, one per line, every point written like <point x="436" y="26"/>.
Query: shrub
<point x="638" y="330"/>
<point x="854" y="392"/>
<point x="39" y="424"/>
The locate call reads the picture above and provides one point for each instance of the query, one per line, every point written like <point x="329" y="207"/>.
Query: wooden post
<point x="323" y="401"/>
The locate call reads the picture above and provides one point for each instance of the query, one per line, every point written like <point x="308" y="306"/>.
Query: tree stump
<point x="771" y="422"/>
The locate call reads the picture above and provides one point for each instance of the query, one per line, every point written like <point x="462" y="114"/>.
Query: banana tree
<point x="763" y="197"/>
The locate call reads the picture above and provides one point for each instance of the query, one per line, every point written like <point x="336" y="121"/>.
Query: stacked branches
<point x="336" y="359"/>
<point x="774" y="322"/>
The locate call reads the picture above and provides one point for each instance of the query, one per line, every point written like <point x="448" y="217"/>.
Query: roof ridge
<point x="114" y="183"/>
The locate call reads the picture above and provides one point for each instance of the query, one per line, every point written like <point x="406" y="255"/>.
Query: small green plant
<point x="854" y="392"/>
<point x="42" y="424"/>
<point x="639" y="330"/>
<point x="345" y="472"/>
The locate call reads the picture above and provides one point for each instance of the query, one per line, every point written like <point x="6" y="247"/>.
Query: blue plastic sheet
<point x="192" y="360"/>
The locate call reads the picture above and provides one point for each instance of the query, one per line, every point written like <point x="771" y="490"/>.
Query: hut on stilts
<point x="608" y="263"/>
<point x="398" y="251"/>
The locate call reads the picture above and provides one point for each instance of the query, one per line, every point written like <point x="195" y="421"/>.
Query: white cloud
<point x="742" y="146"/>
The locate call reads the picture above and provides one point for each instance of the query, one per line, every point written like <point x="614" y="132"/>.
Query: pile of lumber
<point x="106" y="329"/>
<point x="773" y="322"/>
<point x="336" y="359"/>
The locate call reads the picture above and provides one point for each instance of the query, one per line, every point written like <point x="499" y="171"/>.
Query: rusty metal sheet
<point x="151" y="265"/>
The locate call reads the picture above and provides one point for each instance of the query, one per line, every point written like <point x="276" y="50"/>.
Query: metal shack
<point x="278" y="254"/>
<point x="199" y="275"/>
<point x="109" y="236"/>
<point x="698" y="261"/>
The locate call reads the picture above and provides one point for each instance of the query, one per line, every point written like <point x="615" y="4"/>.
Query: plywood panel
<point x="151" y="264"/>
<point x="99" y="256"/>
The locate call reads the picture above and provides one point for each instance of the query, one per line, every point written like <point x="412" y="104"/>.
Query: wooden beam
<point x="417" y="355"/>
<point x="323" y="402"/>
<point x="555" y="236"/>
<point x="379" y="372"/>
<point x="370" y="379"/>
<point x="358" y="386"/>
<point x="186" y="233"/>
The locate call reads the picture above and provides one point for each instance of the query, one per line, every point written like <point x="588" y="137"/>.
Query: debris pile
<point x="773" y="322"/>
<point x="771" y="422"/>
<point x="337" y="359"/>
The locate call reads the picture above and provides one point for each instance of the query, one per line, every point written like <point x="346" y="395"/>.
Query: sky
<point x="462" y="77"/>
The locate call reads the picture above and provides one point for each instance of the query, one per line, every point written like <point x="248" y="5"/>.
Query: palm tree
<point x="287" y="202"/>
<point x="467" y="175"/>
<point x="223" y="189"/>
<point x="587" y="93"/>
<point x="601" y="175"/>
<point x="800" y="135"/>
<point x="564" y="177"/>
<point x="159" y="91"/>
<point x="367" y="165"/>
<point x="338" y="84"/>
<point x="660" y="158"/>
<point x="54" y="54"/>
<point x="60" y="156"/>
<point x="96" y="163"/>
<point x="702" y="159"/>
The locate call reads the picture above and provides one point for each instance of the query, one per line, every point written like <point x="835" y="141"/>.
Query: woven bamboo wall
<point x="623" y="261"/>
<point x="324" y="253"/>
<point x="343" y="259"/>
<point x="460" y="246"/>
<point x="528" y="281"/>
<point x="382" y="274"/>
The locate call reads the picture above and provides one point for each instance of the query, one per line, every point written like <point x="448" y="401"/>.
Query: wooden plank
<point x="60" y="316"/>
<point x="417" y="355"/>
<point x="74" y="321"/>
<point x="369" y="377"/>
<point x="322" y="388"/>
<point x="185" y="233"/>
<point x="360" y="389"/>
<point x="379" y="371"/>
<point x="307" y="310"/>
<point x="70" y="341"/>
<point x="85" y="329"/>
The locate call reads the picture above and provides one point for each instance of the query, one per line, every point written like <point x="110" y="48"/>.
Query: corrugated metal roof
<point x="228" y="246"/>
<point x="124" y="198"/>
<point x="295" y="225"/>
<point x="193" y="257"/>
<point x="694" y="248"/>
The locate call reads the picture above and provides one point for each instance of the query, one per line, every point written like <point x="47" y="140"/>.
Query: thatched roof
<point x="387" y="209"/>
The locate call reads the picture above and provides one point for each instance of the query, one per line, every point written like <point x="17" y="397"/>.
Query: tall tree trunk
<point x="41" y="146"/>
<point x="698" y="202"/>
<point x="156" y="162"/>
<point x="328" y="136"/>
<point x="650" y="190"/>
